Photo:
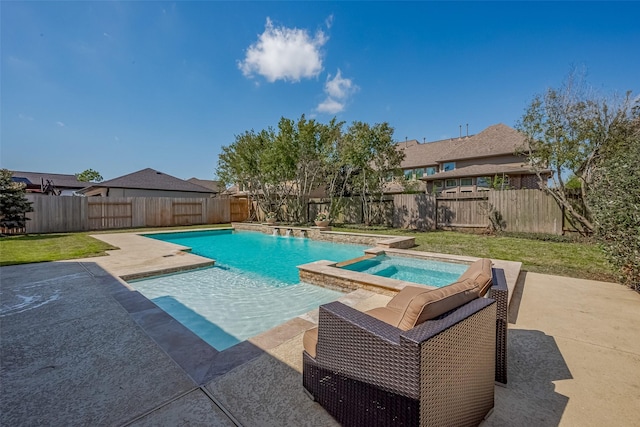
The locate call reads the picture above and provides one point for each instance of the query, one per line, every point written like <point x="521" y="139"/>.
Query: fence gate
<point x="108" y="214"/>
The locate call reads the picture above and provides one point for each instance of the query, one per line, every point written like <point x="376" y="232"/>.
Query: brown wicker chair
<point x="366" y="371"/>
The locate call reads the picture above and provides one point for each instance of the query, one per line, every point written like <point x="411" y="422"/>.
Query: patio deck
<point x="77" y="347"/>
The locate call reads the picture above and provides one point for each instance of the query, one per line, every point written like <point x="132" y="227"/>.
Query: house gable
<point x="147" y="182"/>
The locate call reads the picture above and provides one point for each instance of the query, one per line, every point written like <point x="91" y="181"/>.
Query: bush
<point x="615" y="204"/>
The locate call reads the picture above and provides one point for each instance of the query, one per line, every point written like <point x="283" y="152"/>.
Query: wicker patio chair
<point x="391" y="367"/>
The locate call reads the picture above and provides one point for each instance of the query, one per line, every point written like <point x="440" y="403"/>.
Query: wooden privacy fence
<point x="526" y="211"/>
<point x="56" y="214"/>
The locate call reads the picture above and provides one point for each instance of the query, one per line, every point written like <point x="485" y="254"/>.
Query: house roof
<point x="425" y="154"/>
<point x="59" y="180"/>
<point x="215" y="186"/>
<point x="151" y="179"/>
<point x="496" y="140"/>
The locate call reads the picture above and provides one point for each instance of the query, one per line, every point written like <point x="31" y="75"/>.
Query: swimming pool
<point x="423" y="271"/>
<point x="253" y="287"/>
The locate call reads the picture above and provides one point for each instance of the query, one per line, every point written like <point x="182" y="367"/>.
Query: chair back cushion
<point x="479" y="272"/>
<point x="424" y="303"/>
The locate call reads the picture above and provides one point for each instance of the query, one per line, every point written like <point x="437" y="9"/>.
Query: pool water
<point x="423" y="271"/>
<point x="254" y="285"/>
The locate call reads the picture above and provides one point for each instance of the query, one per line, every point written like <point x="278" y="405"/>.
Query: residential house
<point x="216" y="186"/>
<point x="471" y="163"/>
<point x="49" y="183"/>
<point x="147" y="183"/>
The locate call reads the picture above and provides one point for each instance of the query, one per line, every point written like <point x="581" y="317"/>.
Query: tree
<point x="280" y="168"/>
<point x="370" y="156"/>
<point x="567" y="129"/>
<point x="13" y="203"/>
<point x="89" y="175"/>
<point x="615" y="200"/>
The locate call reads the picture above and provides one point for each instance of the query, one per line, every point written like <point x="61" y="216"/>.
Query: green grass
<point x="49" y="247"/>
<point x="63" y="246"/>
<point x="564" y="258"/>
<point x="582" y="260"/>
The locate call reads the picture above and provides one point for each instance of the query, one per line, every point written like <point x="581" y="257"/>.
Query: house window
<point x="449" y="166"/>
<point x="502" y="182"/>
<point x="451" y="183"/>
<point x="408" y="174"/>
<point x="419" y="173"/>
<point x="483" y="181"/>
<point x="431" y="170"/>
<point x="437" y="184"/>
<point x="465" y="181"/>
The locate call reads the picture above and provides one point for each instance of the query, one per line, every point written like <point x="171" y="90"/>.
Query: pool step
<point x="354" y="260"/>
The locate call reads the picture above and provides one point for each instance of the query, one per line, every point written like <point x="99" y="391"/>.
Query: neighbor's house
<point x="216" y="186"/>
<point x="49" y="183"/>
<point x="469" y="164"/>
<point x="147" y="183"/>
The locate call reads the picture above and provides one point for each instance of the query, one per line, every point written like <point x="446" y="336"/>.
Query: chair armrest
<point x="500" y="292"/>
<point x="431" y="328"/>
<point x="358" y="319"/>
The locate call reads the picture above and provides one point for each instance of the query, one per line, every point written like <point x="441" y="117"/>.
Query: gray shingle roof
<point x="59" y="180"/>
<point x="426" y="154"/>
<point x="215" y="186"/>
<point x="495" y="140"/>
<point x="151" y="179"/>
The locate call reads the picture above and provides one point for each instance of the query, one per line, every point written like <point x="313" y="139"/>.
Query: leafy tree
<point x="370" y="155"/>
<point x="307" y="145"/>
<point x="13" y="203"/>
<point x="615" y="201"/>
<point x="567" y="129"/>
<point x="89" y="175"/>
<point x="241" y="163"/>
<point x="282" y="167"/>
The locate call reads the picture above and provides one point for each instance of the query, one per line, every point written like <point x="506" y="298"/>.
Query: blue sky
<point x="122" y="86"/>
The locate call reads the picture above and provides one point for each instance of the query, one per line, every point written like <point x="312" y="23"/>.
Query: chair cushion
<point x="480" y="272"/>
<point x="386" y="314"/>
<point x="422" y="304"/>
<point x="310" y="341"/>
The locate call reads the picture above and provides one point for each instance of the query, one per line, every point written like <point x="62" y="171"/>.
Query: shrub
<point x="615" y="204"/>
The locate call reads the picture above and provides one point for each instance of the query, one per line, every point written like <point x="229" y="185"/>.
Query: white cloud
<point x="339" y="90"/>
<point x="329" y="21"/>
<point x="330" y="106"/>
<point x="60" y="124"/>
<point x="339" y="87"/>
<point x="282" y="53"/>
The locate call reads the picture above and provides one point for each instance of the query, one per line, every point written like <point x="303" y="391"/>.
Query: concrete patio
<point x="78" y="347"/>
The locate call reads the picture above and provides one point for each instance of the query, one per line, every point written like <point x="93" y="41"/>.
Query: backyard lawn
<point x="574" y="259"/>
<point x="62" y="246"/>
